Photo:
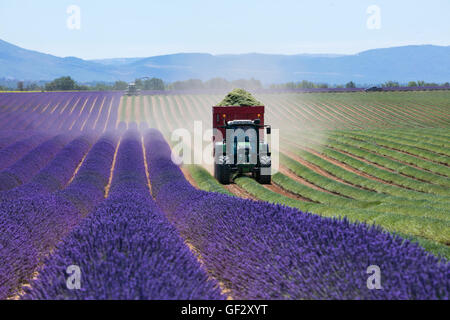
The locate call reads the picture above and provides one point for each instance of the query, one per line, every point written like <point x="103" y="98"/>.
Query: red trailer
<point x="221" y="115"/>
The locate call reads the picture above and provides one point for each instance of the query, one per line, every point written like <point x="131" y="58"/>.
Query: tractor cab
<point x="243" y="151"/>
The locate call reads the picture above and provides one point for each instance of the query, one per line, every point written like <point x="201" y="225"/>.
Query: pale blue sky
<point x="139" y="28"/>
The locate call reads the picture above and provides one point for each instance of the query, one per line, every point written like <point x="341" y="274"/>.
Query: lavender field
<point x="87" y="180"/>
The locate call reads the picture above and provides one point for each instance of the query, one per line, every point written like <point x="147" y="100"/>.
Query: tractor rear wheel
<point x="222" y="173"/>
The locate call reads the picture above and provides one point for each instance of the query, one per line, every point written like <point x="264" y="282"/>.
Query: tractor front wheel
<point x="222" y="173"/>
<point x="262" y="179"/>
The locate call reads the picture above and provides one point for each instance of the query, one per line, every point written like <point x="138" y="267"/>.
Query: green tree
<point x="61" y="84"/>
<point x="350" y="84"/>
<point x="33" y="87"/>
<point x="412" y="84"/>
<point x="153" y="84"/>
<point x="421" y="83"/>
<point x="120" y="85"/>
<point x="20" y="86"/>
<point x="139" y="84"/>
<point x="218" y="83"/>
<point x="391" y="84"/>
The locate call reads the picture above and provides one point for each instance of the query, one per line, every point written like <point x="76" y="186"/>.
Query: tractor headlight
<point x="265" y="161"/>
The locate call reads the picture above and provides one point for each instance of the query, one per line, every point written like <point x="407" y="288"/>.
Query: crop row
<point x="371" y="144"/>
<point x="397" y="143"/>
<point x="343" y="153"/>
<point x="364" y="182"/>
<point x="359" y="149"/>
<point x="352" y="191"/>
<point x="31" y="227"/>
<point x="127" y="245"/>
<point x="261" y="250"/>
<point x="77" y="111"/>
<point x="24" y="169"/>
<point x="57" y="174"/>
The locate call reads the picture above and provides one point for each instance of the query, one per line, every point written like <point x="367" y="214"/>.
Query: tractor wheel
<point x="263" y="179"/>
<point x="222" y="173"/>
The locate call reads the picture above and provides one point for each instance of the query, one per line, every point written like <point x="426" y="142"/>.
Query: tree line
<point x="69" y="84"/>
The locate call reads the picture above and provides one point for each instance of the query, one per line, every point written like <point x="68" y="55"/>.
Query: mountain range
<point x="421" y="62"/>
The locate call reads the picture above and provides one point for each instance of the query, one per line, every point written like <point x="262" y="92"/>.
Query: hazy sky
<point x="138" y="28"/>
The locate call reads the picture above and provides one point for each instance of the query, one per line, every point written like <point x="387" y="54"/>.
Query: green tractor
<point x="132" y="90"/>
<point x="242" y="151"/>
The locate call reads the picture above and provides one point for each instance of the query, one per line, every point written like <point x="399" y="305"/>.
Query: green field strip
<point x="199" y="105"/>
<point x="272" y="112"/>
<point x="382" y="174"/>
<point x="159" y="117"/>
<point x="435" y="109"/>
<point x="443" y="133"/>
<point x="293" y="115"/>
<point x="388" y="115"/>
<point x="312" y="105"/>
<point x="205" y="181"/>
<point x="313" y="114"/>
<point x="353" y="192"/>
<point x="427" y="116"/>
<point x="350" y="116"/>
<point x="405" y="99"/>
<point x="173" y="112"/>
<point x="182" y="114"/>
<point x="397" y="144"/>
<point x="424" y="137"/>
<point x="132" y="111"/>
<point x="142" y="117"/>
<point x="123" y="114"/>
<point x="371" y="145"/>
<point x="420" y="144"/>
<point x="294" y="187"/>
<point x="430" y="229"/>
<point x="358" y="180"/>
<point x="417" y="120"/>
<point x="365" y="118"/>
<point x="362" y="150"/>
<point x="397" y="108"/>
<point x="149" y="115"/>
<point x="281" y="118"/>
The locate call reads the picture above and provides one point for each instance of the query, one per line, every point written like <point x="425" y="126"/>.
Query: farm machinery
<point x="239" y="144"/>
<point x="132" y="90"/>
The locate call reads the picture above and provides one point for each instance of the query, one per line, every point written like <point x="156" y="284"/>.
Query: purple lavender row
<point x="56" y="175"/>
<point x="10" y="136"/>
<point x="24" y="170"/>
<point x="31" y="227"/>
<point x="33" y="120"/>
<point x="127" y="245"/>
<point x="265" y="251"/>
<point x="14" y="152"/>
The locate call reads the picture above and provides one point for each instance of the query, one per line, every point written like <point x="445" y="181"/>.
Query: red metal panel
<point x="230" y="113"/>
